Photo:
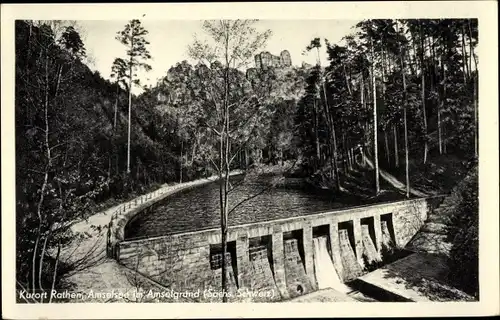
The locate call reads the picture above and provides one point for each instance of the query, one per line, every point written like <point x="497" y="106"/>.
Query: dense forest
<point x="404" y="92"/>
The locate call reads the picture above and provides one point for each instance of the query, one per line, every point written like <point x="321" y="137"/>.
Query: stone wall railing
<point x="183" y="261"/>
<point x="122" y="215"/>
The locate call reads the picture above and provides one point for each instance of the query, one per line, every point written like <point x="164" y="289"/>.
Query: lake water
<point x="199" y="208"/>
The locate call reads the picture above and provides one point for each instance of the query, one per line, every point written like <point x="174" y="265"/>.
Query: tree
<point x="51" y="190"/>
<point x="316" y="43"/>
<point x="308" y="123"/>
<point x="370" y="35"/>
<point x="133" y="36"/>
<point x="181" y="84"/>
<point x="375" y="123"/>
<point x="405" y="108"/>
<point x="462" y="233"/>
<point x="233" y="44"/>
<point x="118" y="72"/>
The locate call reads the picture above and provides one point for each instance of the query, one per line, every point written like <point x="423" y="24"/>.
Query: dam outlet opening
<point x="277" y="259"/>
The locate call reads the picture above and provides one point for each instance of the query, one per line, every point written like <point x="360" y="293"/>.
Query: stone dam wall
<point x="274" y="259"/>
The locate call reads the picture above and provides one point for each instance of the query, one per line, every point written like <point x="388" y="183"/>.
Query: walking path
<point x="423" y="275"/>
<point x="86" y="254"/>
<point x="394" y="181"/>
<point x="417" y="277"/>
<point x="324" y="295"/>
<point x="432" y="237"/>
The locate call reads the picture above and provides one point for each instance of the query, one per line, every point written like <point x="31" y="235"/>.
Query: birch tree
<point x="231" y="45"/>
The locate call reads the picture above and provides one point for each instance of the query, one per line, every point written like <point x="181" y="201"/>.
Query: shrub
<point x="464" y="261"/>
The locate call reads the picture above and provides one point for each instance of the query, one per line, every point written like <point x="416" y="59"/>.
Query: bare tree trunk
<point x="333" y="137"/>
<point x="349" y="158"/>
<point x="109" y="166"/>
<point x="362" y="89"/>
<point x="414" y="46"/>
<point x="389" y="66"/>
<point x="396" y="152"/>
<point x="471" y="49"/>
<point x="347" y="81"/>
<point x="443" y="99"/>
<point x="363" y="104"/>
<point x="353" y="163"/>
<point x="387" y="152"/>
<point x="222" y="200"/>
<point x="475" y="95"/>
<point x="412" y="68"/>
<point x="464" y="60"/>
<point x="349" y="154"/>
<point x="129" y="106"/>
<point x="224" y="164"/>
<point x="59" y="74"/>
<point x="180" y="162"/>
<point x="240" y="159"/>
<point x="316" y="138"/>
<point x="405" y="107"/>
<point x="54" y="276"/>
<point x="246" y="158"/>
<point x="406" y="157"/>
<point x="116" y="105"/>
<point x="193" y="153"/>
<point x="434" y="60"/>
<point x="440" y="139"/>
<point x="344" y="154"/>
<point x="47" y="169"/>
<point x="476" y="127"/>
<point x="445" y="133"/>
<point x="42" y="256"/>
<point x="375" y="126"/>
<point x="226" y="192"/>
<point x="33" y="263"/>
<point x="424" y="113"/>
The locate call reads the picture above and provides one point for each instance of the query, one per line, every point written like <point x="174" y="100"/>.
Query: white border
<point x="487" y="50"/>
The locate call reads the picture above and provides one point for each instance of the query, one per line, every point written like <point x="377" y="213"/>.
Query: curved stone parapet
<point x="130" y="209"/>
<point x="185" y="261"/>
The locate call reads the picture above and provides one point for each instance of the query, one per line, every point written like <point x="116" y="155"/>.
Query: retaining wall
<point x="186" y="261"/>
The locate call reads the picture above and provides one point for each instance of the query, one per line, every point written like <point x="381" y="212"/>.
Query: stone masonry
<point x="369" y="250"/>
<point x="352" y="267"/>
<point x="182" y="261"/>
<point x="297" y="282"/>
<point x="262" y="280"/>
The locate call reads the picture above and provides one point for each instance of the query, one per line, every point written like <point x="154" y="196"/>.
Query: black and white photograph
<point x="166" y="161"/>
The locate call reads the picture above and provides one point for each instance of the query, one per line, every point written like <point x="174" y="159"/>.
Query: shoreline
<point x="94" y="269"/>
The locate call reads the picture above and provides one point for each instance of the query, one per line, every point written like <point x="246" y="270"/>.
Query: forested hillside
<point x="425" y="100"/>
<point x="402" y="93"/>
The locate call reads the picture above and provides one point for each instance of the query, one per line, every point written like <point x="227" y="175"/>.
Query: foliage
<point x="64" y="130"/>
<point x="133" y="37"/>
<point x="72" y="126"/>
<point x="235" y="106"/>
<point x="426" y="68"/>
<point x="464" y="236"/>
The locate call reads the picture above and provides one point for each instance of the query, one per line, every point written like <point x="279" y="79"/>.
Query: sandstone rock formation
<point x="265" y="60"/>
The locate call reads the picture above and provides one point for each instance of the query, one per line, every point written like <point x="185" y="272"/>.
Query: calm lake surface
<point x="199" y="208"/>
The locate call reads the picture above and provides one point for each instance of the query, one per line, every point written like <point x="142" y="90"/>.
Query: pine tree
<point x="133" y="37"/>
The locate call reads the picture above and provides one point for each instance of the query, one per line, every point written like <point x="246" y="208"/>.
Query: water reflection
<point x="199" y="208"/>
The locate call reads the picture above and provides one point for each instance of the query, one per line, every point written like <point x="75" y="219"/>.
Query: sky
<point x="169" y="40"/>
